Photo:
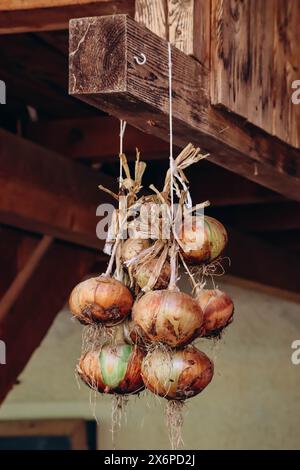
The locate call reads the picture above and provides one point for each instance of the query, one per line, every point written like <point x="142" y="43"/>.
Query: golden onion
<point x="217" y="309"/>
<point x="170" y="317"/>
<point x="178" y="374"/>
<point x="202" y="246"/>
<point x="101" y="300"/>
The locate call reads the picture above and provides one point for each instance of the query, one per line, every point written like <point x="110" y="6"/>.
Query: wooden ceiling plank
<point x="23" y="276"/>
<point x="279" y="216"/>
<point x="45" y="193"/>
<point x="43" y="297"/>
<point x="104" y="73"/>
<point x="27" y="16"/>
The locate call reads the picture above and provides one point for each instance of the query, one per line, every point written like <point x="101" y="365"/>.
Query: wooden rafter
<point x="46" y="15"/>
<point x="28" y="320"/>
<point x="43" y="192"/>
<point x="104" y="73"/>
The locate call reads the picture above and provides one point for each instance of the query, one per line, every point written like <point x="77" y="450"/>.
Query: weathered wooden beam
<point x="185" y="24"/>
<point x="28" y="321"/>
<point x="46" y="15"/>
<point x="104" y="73"/>
<point x="255" y="60"/>
<point x="41" y="191"/>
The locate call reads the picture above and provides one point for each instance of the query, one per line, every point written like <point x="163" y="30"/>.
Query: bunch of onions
<point x="113" y="369"/>
<point x="170" y="317"/>
<point x="178" y="374"/>
<point x="217" y="309"/>
<point x="101" y="300"/>
<point x="202" y="246"/>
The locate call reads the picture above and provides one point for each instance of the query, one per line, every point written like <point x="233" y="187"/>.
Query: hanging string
<point x="122" y="132"/>
<point x="171" y="131"/>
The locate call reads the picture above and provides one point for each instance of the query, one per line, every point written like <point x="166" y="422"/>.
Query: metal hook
<point x="140" y="60"/>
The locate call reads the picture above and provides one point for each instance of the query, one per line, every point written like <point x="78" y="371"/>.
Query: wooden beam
<point x="28" y="321"/>
<point x="94" y="138"/>
<point x="262" y="263"/>
<point x="43" y="192"/>
<point x="279" y="216"/>
<point x="185" y="24"/>
<point x="46" y="15"/>
<point x="20" y="281"/>
<point x="38" y="79"/>
<point x="104" y="73"/>
<point x="256" y="53"/>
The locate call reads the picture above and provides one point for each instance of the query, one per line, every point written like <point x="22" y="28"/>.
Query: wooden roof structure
<point x="234" y="67"/>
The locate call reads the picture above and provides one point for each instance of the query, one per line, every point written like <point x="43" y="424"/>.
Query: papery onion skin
<point x="113" y="369"/>
<point x="101" y="300"/>
<point x="170" y="317"/>
<point x="177" y="374"/>
<point x="142" y="275"/>
<point x="132" y="333"/>
<point x="209" y="247"/>
<point x="132" y="247"/>
<point x="217" y="309"/>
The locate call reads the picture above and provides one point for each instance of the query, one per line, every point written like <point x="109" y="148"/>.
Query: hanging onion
<point x="113" y="369"/>
<point x="132" y="247"/>
<point x="177" y="375"/>
<point x="132" y="332"/>
<point x="204" y="246"/>
<point x="169" y="317"/>
<point x="145" y="271"/>
<point x="102" y="300"/>
<point x="217" y="309"/>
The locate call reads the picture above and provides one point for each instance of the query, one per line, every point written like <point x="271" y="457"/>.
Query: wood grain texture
<point x="175" y="21"/>
<point x="25" y="16"/>
<point x="43" y="297"/>
<point x="43" y="192"/>
<point x="104" y="74"/>
<point x="202" y="31"/>
<point x="153" y="15"/>
<point x="286" y="115"/>
<point x="181" y="24"/>
<point x="255" y="57"/>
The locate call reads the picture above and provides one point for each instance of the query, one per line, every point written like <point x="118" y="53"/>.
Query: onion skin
<point x="210" y="247"/>
<point x="132" y="333"/>
<point x="177" y="375"/>
<point x="217" y="309"/>
<point x="113" y="369"/>
<point x="170" y="317"/>
<point x="101" y="300"/>
<point x="132" y="247"/>
<point x="142" y="275"/>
